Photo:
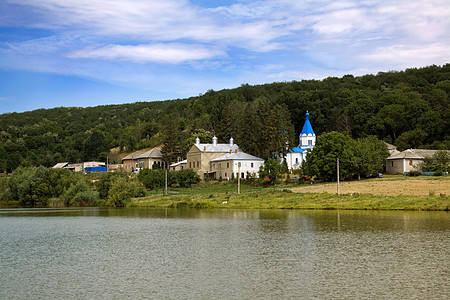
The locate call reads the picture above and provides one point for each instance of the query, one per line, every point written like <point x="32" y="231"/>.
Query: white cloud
<point x="405" y="56"/>
<point x="160" y="53"/>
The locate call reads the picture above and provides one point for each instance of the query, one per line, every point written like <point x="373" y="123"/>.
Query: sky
<point x="83" y="53"/>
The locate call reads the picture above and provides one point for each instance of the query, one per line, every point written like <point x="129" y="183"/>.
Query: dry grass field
<point x="388" y="186"/>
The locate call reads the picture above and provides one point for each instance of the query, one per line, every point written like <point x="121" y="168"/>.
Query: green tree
<point x="273" y="169"/>
<point x="186" y="177"/>
<point x="371" y="155"/>
<point x="321" y="160"/>
<point x="439" y="162"/>
<point x="94" y="145"/>
<point x="170" y="151"/>
<point x="120" y="192"/>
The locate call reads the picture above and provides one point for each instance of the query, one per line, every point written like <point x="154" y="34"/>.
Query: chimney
<point x="231" y="142"/>
<point x="214" y="141"/>
<point x="197" y="141"/>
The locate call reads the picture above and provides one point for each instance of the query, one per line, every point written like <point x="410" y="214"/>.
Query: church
<point x="307" y="140"/>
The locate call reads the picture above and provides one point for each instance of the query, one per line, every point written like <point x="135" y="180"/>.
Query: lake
<point x="98" y="253"/>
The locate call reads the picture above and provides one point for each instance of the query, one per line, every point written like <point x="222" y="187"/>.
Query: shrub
<point x="119" y="193"/>
<point x="75" y="189"/>
<point x="414" y="173"/>
<point x="187" y="177"/>
<point x="86" y="198"/>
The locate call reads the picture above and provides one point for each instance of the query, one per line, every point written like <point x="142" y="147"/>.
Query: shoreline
<point x="286" y="199"/>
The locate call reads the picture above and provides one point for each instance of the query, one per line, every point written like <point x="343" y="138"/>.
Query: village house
<point x="79" y="167"/>
<point x="143" y="159"/>
<point x="181" y="165"/>
<point x="199" y="156"/>
<point x="235" y="164"/>
<point x="307" y="140"/>
<point x="407" y="161"/>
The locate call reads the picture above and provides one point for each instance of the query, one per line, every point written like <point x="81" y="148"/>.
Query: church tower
<point x="307" y="136"/>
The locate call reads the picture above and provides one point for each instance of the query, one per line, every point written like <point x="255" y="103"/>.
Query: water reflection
<point x="99" y="253"/>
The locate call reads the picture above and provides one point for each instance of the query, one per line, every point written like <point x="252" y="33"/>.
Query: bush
<point x="86" y="198"/>
<point x="120" y="192"/>
<point x="414" y="173"/>
<point x="75" y="189"/>
<point x="103" y="185"/>
<point x="153" y="179"/>
<point x="35" y="186"/>
<point x="187" y="177"/>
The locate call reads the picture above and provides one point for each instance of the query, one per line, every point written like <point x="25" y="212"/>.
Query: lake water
<point x="98" y="253"/>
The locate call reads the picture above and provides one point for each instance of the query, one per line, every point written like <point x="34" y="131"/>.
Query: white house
<point x="408" y="160"/>
<point x="232" y="164"/>
<point x="307" y="139"/>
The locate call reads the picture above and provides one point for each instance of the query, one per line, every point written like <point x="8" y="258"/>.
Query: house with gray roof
<point x="235" y="164"/>
<point x="406" y="161"/>
<point x="144" y="158"/>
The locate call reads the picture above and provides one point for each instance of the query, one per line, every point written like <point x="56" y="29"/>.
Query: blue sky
<point x="94" y="52"/>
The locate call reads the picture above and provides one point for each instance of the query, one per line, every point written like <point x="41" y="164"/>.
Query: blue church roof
<point x="307" y="128"/>
<point x="297" y="150"/>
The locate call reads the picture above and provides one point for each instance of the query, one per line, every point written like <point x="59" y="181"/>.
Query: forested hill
<point x="408" y="108"/>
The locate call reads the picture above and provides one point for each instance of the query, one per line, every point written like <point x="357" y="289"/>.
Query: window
<point x="392" y="163"/>
<point x="198" y="164"/>
<point x="251" y="165"/>
<point x="296" y="160"/>
<point x="228" y="165"/>
<point x="310" y="142"/>
<point x="190" y="167"/>
<point x="410" y="162"/>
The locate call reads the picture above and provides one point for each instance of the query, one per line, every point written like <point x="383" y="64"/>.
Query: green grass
<point x="224" y="195"/>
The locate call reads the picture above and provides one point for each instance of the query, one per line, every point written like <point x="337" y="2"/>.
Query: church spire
<point x="307" y="128"/>
<point x="307" y="136"/>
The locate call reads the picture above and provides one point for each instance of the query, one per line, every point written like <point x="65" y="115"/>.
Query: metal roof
<point x="217" y="147"/>
<point x="237" y="156"/>
<point x="307" y="128"/>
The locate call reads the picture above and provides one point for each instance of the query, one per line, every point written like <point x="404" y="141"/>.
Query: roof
<point x="307" y="128"/>
<point x="217" y="147"/>
<point x="60" y="165"/>
<point x="179" y="163"/>
<point x="152" y="153"/>
<point x="237" y="156"/>
<point x="297" y="150"/>
<point x="144" y="153"/>
<point x="413" y="154"/>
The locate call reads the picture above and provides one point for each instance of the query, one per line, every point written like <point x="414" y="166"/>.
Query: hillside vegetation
<point x="408" y="108"/>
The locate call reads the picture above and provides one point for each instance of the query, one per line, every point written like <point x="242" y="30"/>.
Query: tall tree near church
<point x="171" y="139"/>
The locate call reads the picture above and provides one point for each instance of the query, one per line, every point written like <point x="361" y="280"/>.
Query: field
<point x="390" y="193"/>
<point x="388" y="186"/>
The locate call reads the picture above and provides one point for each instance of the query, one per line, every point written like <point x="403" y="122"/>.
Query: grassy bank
<point x="216" y="195"/>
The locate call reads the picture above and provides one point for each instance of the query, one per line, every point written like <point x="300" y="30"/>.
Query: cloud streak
<point x="159" y="53"/>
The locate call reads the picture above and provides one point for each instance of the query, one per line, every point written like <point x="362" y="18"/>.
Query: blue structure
<point x="96" y="169"/>
<point x="307" y="140"/>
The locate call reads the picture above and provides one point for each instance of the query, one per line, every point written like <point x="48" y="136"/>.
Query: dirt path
<point x="414" y="187"/>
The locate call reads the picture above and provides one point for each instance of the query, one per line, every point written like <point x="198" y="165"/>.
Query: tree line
<point x="409" y="109"/>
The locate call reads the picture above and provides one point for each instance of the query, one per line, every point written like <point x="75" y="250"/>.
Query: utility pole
<point x="239" y="177"/>
<point x="165" y="191"/>
<point x="337" y="160"/>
